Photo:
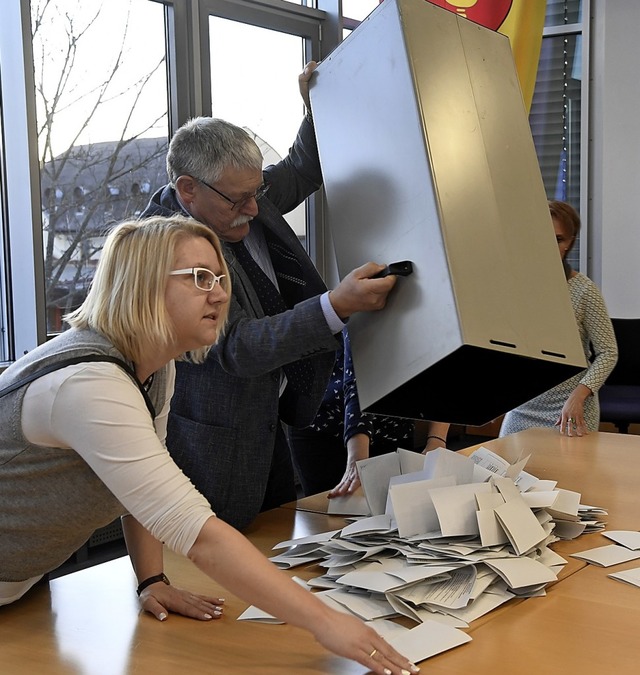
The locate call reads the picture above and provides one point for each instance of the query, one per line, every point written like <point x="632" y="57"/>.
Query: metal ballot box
<point x="427" y="156"/>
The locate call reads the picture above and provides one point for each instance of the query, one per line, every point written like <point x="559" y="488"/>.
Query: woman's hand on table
<point x="349" y="483"/>
<point x="352" y="638"/>
<point x="160" y="599"/>
<point x="357" y="449"/>
<point x="571" y="421"/>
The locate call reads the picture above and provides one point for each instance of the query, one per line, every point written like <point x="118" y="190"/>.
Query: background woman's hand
<point x="571" y="421"/>
<point x="348" y="484"/>
<point x="357" y="449"/>
<point x="159" y="599"/>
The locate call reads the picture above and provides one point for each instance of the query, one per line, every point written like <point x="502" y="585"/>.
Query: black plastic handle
<point x="403" y="269"/>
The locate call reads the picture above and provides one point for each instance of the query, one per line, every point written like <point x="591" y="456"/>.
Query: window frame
<point x="22" y="226"/>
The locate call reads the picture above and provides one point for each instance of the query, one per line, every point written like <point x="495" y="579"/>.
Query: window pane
<point x="269" y="105"/>
<point x="358" y="9"/>
<point x="560" y="12"/>
<point x="101" y="97"/>
<point x="555" y="118"/>
<point x="555" y="115"/>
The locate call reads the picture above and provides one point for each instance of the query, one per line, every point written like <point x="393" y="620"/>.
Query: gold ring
<point x="373" y="653"/>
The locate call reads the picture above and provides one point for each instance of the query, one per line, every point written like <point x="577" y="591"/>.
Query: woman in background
<point x="573" y="405"/>
<point x="81" y="443"/>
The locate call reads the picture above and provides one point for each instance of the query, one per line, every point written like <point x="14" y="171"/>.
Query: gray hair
<point x="204" y="147"/>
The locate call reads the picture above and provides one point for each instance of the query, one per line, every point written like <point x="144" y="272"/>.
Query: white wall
<point x="614" y="161"/>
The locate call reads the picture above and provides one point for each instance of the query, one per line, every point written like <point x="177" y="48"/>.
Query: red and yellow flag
<point x="522" y="21"/>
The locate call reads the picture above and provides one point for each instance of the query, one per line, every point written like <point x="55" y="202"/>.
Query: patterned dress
<point x="340" y="414"/>
<point x="600" y="349"/>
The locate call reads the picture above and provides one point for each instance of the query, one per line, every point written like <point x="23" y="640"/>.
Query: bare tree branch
<point x="88" y="186"/>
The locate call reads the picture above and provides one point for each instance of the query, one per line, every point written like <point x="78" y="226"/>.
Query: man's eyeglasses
<point x="258" y="194"/>
<point x="203" y="278"/>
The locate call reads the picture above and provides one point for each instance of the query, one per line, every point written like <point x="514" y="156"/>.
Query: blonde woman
<point x="82" y="441"/>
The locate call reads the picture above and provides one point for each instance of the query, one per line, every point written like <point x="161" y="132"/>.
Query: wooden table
<point x="88" y="622"/>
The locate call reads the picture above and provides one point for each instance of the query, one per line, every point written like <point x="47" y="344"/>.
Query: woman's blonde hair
<point x="126" y="301"/>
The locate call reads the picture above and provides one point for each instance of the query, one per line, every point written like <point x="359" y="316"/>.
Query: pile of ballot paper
<point x="442" y="537"/>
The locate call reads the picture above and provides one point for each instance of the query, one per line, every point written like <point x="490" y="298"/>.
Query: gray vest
<point x="51" y="501"/>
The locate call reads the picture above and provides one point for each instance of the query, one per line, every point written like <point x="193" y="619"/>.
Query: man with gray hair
<point x="272" y="364"/>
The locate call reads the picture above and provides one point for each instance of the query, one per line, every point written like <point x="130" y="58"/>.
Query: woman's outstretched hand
<point x="160" y="599"/>
<point x="350" y="637"/>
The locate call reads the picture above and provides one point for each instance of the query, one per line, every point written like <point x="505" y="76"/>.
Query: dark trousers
<point x="281" y="486"/>
<point x="320" y="459"/>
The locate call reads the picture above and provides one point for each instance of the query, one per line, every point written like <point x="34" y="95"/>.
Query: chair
<point x="620" y="395"/>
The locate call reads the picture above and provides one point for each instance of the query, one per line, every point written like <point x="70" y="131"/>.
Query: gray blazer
<point x="225" y="412"/>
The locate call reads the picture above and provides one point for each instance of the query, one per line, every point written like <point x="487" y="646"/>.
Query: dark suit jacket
<point x="225" y="412"/>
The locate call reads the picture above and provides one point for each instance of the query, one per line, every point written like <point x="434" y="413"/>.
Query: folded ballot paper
<point x="446" y="539"/>
<point x="614" y="554"/>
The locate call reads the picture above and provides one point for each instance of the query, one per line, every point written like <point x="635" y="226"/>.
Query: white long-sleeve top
<point x="96" y="410"/>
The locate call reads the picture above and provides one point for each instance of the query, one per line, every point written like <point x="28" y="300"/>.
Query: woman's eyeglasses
<point x="203" y="278"/>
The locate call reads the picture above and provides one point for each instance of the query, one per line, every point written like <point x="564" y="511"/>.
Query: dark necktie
<point x="287" y="268"/>
<point x="269" y="296"/>
<point x="299" y="373"/>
